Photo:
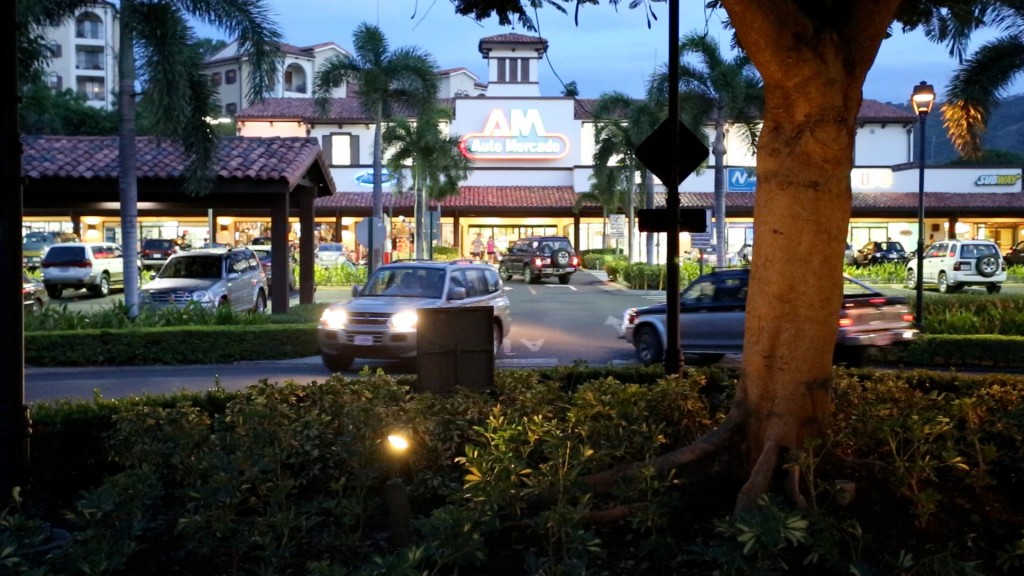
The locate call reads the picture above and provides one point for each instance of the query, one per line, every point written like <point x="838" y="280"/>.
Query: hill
<point x="1005" y="131"/>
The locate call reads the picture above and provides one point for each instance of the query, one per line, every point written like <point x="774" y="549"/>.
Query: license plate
<point x="363" y="340"/>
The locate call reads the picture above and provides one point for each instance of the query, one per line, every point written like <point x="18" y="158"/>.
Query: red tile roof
<point x="350" y="110"/>
<point x="512" y="38"/>
<point x="304" y="109"/>
<point x="96" y="157"/>
<point x="488" y="197"/>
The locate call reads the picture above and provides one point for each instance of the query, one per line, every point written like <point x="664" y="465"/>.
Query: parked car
<point x="712" y="310"/>
<point x="380" y="319"/>
<point x="1015" y="257"/>
<point x="33" y="293"/>
<point x="538" y="257"/>
<point x="952" y="265"/>
<point x="210" y="278"/>
<point x="881" y="253"/>
<point x="330" y="254"/>
<point x="262" y="252"/>
<point x="155" y="252"/>
<point x="35" y="244"/>
<point x="95" y="266"/>
<point x="850" y="257"/>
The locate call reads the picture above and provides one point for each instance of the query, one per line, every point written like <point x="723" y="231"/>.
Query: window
<point x="342" y="149"/>
<point x="89" y="58"/>
<point x="54" y="81"/>
<point x="231" y="109"/>
<point x="89" y="25"/>
<point x="215" y="79"/>
<point x="230" y="76"/>
<point x="53" y="47"/>
<point x="91" y="88"/>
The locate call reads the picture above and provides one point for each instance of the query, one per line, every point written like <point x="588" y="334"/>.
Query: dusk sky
<point x="608" y="51"/>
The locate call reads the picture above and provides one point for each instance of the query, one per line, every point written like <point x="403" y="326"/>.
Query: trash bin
<point x="454" y="347"/>
<point x="387" y="257"/>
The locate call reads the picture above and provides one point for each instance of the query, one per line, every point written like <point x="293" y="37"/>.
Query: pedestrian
<point x="476" y="249"/>
<point x="490" y="249"/>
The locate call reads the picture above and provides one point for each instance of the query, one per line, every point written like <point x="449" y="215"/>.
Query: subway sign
<point x="517" y="135"/>
<point x="997" y="180"/>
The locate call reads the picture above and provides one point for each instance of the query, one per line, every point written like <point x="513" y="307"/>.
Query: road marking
<point x="569" y="286"/>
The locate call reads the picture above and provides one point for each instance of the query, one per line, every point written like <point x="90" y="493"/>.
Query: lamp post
<point x="922" y="99"/>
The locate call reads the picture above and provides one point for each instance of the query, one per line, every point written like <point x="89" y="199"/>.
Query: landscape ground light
<point x="922" y="99"/>
<point x="395" y="494"/>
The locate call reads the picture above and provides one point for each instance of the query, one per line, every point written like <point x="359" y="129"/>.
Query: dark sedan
<point x="1015" y="257"/>
<point x="33" y="294"/>
<point x="881" y="253"/>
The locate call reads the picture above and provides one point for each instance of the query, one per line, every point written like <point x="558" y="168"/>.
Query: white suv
<point x="954" y="264"/>
<point x="95" y="266"/>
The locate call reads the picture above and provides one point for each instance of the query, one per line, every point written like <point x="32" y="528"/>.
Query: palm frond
<point x="975" y="89"/>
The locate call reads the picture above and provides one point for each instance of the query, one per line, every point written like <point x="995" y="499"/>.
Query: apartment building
<point x="84" y="54"/>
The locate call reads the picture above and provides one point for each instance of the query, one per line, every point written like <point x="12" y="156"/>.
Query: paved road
<point x="553" y="325"/>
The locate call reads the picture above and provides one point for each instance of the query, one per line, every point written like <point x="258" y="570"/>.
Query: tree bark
<point x="721" y="225"/>
<point x="813" y="66"/>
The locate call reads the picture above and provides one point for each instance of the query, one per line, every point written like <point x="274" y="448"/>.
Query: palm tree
<point x="621" y="123"/>
<point x="433" y="158"/>
<point x="385" y="78"/>
<point x="173" y="84"/>
<point x="720" y="92"/>
<point x="610" y="186"/>
<point x="981" y="80"/>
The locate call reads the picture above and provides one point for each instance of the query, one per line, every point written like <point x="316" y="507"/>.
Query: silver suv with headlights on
<point x="380" y="320"/>
<point x="210" y="278"/>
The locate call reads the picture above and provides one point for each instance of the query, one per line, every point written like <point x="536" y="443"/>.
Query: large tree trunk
<point x="128" y="184"/>
<point x="813" y="71"/>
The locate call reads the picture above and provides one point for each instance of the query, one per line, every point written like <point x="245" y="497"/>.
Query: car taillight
<point x="961" y="265"/>
<point x="908" y="317"/>
<point x="631" y="317"/>
<point x="575" y="261"/>
<point x="845" y="322"/>
<point x="538" y="261"/>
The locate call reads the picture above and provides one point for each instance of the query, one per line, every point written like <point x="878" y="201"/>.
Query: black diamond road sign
<point x="656" y="152"/>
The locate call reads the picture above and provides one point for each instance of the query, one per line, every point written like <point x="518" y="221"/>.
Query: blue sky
<point x="607" y="51"/>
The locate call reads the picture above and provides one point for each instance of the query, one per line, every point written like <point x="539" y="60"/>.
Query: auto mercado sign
<point x="517" y="134"/>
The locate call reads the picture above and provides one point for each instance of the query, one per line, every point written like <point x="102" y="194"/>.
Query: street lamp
<point x="922" y="99"/>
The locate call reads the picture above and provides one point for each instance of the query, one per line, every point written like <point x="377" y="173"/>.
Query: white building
<point x="84" y="54"/>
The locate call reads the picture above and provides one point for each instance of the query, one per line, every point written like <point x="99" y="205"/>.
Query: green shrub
<point x="445" y="253"/>
<point x="290" y="479"/>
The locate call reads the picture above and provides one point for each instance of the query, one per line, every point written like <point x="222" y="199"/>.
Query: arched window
<point x="89" y="25"/>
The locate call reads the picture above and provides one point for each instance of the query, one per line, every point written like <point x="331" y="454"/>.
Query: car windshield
<point x="406" y="282"/>
<point x="35" y="238"/>
<point x="157" y="245"/>
<point x="890" y="247"/>
<point x="976" y="250"/>
<point x="192" y="267"/>
<point x="329" y="248"/>
<point x="63" y="254"/>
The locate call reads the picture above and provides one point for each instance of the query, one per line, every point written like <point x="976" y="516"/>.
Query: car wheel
<point x="911" y="278"/>
<point x="943" y="283"/>
<point x="560" y="257"/>
<point x="504" y="272"/>
<point x="103" y="288"/>
<point x="532" y="277"/>
<point x="649" y="349"/>
<point x="260" y="307"/>
<point x="497" y="340"/>
<point x="53" y="291"/>
<point x="987" y="265"/>
<point x="564" y="278"/>
<point x="37" y="305"/>
<point x="994" y="288"/>
<point x="336" y="362"/>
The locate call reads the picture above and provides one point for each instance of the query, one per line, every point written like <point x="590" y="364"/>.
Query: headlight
<point x="404" y="320"/>
<point x="334" y="318"/>
<point x="202" y="296"/>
